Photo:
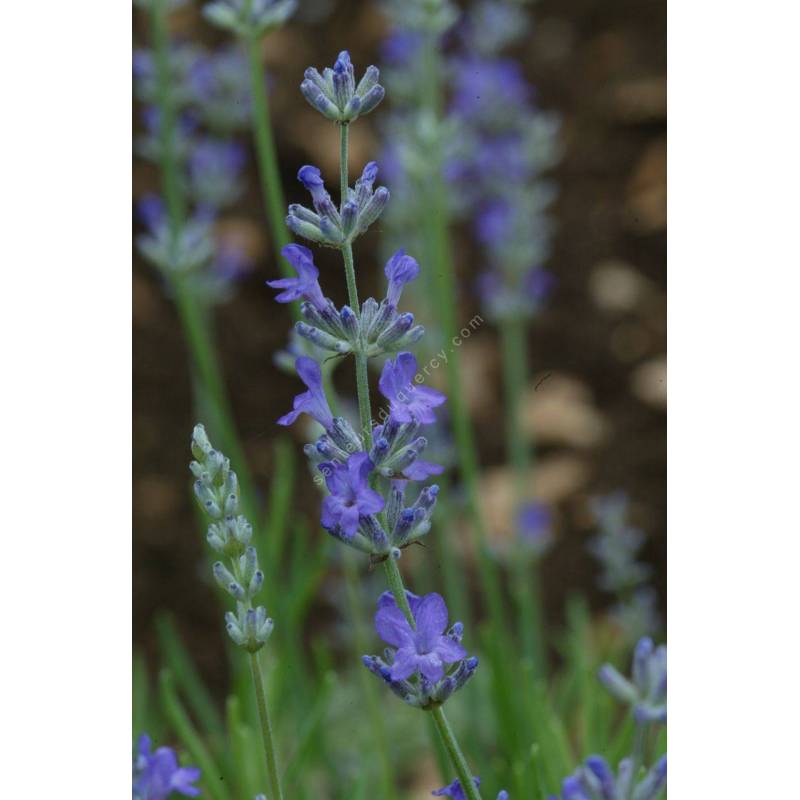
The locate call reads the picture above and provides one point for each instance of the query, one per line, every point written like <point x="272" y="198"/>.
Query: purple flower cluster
<point x="156" y="775"/>
<point x="646" y="691"/>
<point x="348" y="469"/>
<point x="209" y="95"/>
<point x="595" y="780"/>
<point x="424" y="663"/>
<point x="616" y="547"/>
<point x="513" y="143"/>
<point x="332" y="226"/>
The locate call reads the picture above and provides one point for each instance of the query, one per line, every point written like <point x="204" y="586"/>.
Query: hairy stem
<point x="367" y="684"/>
<point x="266" y="729"/>
<point x="395" y="581"/>
<point x="274" y="203"/>
<point x="454" y="751"/>
<point x="393" y="575"/>
<point x="362" y="376"/>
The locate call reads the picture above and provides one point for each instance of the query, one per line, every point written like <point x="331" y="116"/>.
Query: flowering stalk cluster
<point x="367" y="471"/>
<point x="216" y="488"/>
<point x="501" y="175"/>
<point x="193" y="102"/>
<point x="335" y="95"/>
<point x="616" y="547"/>
<point x="645" y="692"/>
<point x="229" y="533"/>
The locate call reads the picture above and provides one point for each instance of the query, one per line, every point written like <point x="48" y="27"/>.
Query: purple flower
<point x="408" y="403"/>
<point x="311" y="178"/>
<point x="425" y="649"/>
<point x="535" y="520"/>
<point x="350" y="496"/>
<point x="313" y="402"/>
<point x="400" y="269"/>
<point x="305" y="285"/>
<point x="421" y="470"/>
<point x="455" y="790"/>
<point x="157" y="775"/>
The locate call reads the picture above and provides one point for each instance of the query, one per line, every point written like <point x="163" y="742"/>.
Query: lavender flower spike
<point x="306" y="284"/>
<point x="313" y="402"/>
<point x="426" y="649"/>
<point x="157" y="775"/>
<point x="647" y="690"/>
<point x="335" y="93"/>
<point x="408" y="403"/>
<point x="350" y="496"/>
<point x="400" y="269"/>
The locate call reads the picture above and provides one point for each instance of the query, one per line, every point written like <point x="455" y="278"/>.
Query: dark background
<point x="599" y="416"/>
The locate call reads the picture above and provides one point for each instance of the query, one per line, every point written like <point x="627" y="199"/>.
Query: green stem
<point x="454" y="751"/>
<point x="170" y="169"/>
<point x="390" y="565"/>
<point x="344" y="156"/>
<point x="274" y="203"/>
<point x="362" y="376"/>
<point x="266" y="729"/>
<point x="515" y="371"/>
<point x="526" y="571"/>
<point x="395" y="581"/>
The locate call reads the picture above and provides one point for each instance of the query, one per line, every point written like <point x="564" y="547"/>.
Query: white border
<point x="65" y="332"/>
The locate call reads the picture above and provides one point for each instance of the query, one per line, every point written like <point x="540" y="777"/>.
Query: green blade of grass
<point x="186" y="676"/>
<point x="212" y="776"/>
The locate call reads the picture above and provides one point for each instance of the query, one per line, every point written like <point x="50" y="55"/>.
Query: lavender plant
<point x="616" y="547"/>
<point x="469" y="142"/>
<point x="366" y="471"/>
<point x="216" y="488"/>
<point x="422" y="141"/>
<point x="646" y="694"/>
